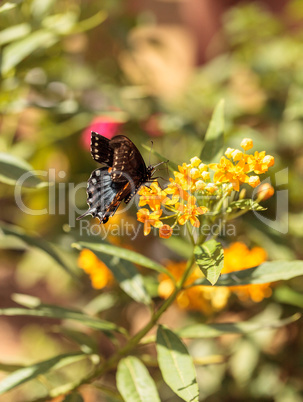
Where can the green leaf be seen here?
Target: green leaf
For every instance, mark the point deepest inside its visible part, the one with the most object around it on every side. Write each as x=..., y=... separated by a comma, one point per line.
x=13, y=33
x=284, y=294
x=267, y=272
x=171, y=165
x=28, y=373
x=56, y=312
x=214, y=138
x=8, y=5
x=124, y=272
x=15, y=52
x=11, y=230
x=245, y=327
x=15, y=171
x=179, y=245
x=210, y=258
x=245, y=204
x=73, y=397
x=134, y=381
x=176, y=365
x=122, y=253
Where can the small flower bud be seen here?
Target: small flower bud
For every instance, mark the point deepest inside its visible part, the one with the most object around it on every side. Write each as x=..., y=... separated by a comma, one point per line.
x=265, y=191
x=194, y=173
x=237, y=155
x=254, y=181
x=229, y=151
x=202, y=167
x=246, y=144
x=195, y=161
x=269, y=160
x=165, y=232
x=205, y=175
x=200, y=185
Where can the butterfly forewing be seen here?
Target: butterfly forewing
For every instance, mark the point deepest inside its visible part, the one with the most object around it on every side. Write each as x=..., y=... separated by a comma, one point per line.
x=101, y=149
x=128, y=164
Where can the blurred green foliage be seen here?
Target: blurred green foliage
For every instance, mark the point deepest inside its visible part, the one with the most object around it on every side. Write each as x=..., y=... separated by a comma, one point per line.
x=63, y=63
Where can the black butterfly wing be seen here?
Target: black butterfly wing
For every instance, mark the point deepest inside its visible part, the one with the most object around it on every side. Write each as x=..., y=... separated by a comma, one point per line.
x=124, y=172
x=101, y=149
x=128, y=164
x=102, y=195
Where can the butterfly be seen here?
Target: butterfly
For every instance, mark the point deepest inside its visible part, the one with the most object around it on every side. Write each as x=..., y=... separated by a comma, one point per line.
x=122, y=173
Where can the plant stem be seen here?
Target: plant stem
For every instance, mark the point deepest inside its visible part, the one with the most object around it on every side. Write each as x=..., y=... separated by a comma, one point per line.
x=112, y=361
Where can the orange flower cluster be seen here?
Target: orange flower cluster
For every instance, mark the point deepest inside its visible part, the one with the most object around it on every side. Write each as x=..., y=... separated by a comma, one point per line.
x=188, y=193
x=213, y=298
x=235, y=168
x=173, y=198
x=100, y=275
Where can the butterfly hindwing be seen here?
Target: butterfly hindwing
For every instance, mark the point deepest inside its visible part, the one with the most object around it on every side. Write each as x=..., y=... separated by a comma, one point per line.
x=101, y=195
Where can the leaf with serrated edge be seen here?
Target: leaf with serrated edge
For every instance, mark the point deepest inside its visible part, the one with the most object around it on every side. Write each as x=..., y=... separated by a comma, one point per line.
x=210, y=259
x=176, y=365
x=134, y=381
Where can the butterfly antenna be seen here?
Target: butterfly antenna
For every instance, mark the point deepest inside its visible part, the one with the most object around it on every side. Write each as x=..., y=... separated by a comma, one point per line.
x=150, y=151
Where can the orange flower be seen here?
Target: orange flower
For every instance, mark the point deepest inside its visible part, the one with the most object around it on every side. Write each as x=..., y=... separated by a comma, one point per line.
x=165, y=231
x=198, y=298
x=213, y=298
x=260, y=162
x=190, y=212
x=149, y=219
x=238, y=257
x=100, y=274
x=153, y=196
x=227, y=172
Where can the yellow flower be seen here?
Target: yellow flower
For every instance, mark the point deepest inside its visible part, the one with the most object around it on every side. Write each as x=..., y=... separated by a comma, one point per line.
x=149, y=219
x=184, y=177
x=247, y=144
x=100, y=275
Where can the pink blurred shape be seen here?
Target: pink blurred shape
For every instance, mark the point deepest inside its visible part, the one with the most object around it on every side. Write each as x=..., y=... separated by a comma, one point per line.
x=104, y=125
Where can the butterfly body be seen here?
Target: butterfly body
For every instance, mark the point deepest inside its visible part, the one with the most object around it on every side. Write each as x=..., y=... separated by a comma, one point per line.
x=122, y=173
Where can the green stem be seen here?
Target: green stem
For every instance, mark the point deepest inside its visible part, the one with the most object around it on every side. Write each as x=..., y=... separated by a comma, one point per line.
x=132, y=343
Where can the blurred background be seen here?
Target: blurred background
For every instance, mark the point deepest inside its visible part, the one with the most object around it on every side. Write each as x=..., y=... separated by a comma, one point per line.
x=151, y=70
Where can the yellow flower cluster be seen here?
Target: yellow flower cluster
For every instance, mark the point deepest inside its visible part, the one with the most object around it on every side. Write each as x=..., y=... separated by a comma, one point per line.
x=234, y=168
x=194, y=181
x=100, y=275
x=214, y=298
